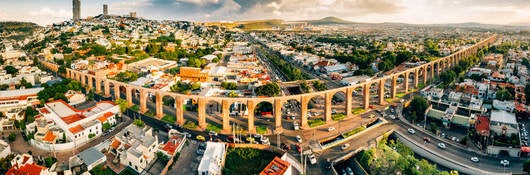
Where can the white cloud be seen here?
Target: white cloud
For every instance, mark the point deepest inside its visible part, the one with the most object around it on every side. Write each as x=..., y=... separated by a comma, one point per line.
x=46, y=12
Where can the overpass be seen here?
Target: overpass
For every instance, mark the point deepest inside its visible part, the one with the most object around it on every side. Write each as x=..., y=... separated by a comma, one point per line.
x=420, y=73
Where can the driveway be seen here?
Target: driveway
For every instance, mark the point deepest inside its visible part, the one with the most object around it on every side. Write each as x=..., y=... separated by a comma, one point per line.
x=188, y=161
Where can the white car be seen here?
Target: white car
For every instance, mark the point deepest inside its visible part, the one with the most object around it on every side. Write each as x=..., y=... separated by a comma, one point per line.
x=312, y=159
x=410, y=130
x=331, y=129
x=349, y=171
x=298, y=138
x=505, y=162
x=441, y=145
x=345, y=146
x=474, y=159
x=213, y=133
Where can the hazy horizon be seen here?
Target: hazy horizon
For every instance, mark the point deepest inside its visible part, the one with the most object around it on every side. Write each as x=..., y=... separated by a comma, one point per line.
x=506, y=12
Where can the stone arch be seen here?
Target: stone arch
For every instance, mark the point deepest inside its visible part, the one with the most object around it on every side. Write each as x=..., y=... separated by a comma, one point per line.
x=357, y=95
x=264, y=117
x=400, y=85
x=316, y=106
x=338, y=103
x=374, y=92
x=214, y=109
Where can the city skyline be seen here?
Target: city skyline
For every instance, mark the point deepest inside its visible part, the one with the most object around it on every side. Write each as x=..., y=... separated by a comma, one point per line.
x=405, y=11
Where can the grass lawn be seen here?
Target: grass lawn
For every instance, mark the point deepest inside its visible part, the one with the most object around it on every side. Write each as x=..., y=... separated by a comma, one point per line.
x=261, y=129
x=169, y=119
x=254, y=160
x=135, y=108
x=213, y=127
x=150, y=113
x=315, y=122
x=358, y=111
x=353, y=132
x=388, y=100
x=338, y=117
x=400, y=95
x=190, y=125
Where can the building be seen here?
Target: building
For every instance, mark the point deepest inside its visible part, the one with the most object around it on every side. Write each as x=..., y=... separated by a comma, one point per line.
x=135, y=146
x=193, y=74
x=5, y=149
x=57, y=119
x=286, y=165
x=86, y=160
x=76, y=10
x=105, y=9
x=174, y=144
x=18, y=99
x=133, y=15
x=24, y=165
x=213, y=160
x=75, y=97
x=503, y=123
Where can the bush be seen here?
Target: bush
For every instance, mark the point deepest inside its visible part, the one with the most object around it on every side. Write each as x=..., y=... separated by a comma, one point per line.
x=213, y=127
x=315, y=122
x=12, y=137
x=261, y=129
x=169, y=119
x=353, y=132
x=138, y=123
x=91, y=135
x=190, y=125
x=338, y=117
x=49, y=161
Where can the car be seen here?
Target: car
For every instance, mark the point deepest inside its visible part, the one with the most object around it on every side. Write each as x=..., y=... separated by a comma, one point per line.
x=345, y=146
x=265, y=141
x=333, y=111
x=505, y=162
x=202, y=145
x=371, y=116
x=295, y=125
x=474, y=159
x=298, y=147
x=200, y=138
x=410, y=130
x=442, y=145
x=200, y=151
x=258, y=136
x=349, y=171
x=292, y=117
x=298, y=138
x=188, y=135
x=343, y=172
x=168, y=127
x=250, y=140
x=312, y=159
x=331, y=129
x=212, y=133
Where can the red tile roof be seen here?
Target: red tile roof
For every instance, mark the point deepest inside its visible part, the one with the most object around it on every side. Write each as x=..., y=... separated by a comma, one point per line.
x=27, y=169
x=482, y=125
x=172, y=145
x=276, y=167
x=105, y=116
x=73, y=118
x=49, y=137
x=115, y=143
x=76, y=129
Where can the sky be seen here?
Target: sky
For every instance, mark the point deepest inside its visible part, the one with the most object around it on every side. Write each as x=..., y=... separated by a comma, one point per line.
x=45, y=12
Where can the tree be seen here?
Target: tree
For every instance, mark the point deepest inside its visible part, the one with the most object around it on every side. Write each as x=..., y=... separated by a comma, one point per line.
x=448, y=77
x=319, y=86
x=123, y=104
x=106, y=126
x=269, y=89
x=419, y=105
x=503, y=95
x=229, y=85
x=49, y=161
x=232, y=94
x=126, y=76
x=138, y=123
x=11, y=70
x=12, y=137
x=526, y=166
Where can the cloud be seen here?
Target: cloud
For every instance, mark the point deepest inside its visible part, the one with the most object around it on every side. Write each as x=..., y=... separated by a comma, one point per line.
x=46, y=12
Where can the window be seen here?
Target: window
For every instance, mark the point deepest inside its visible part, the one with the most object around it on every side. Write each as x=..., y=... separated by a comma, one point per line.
x=130, y=164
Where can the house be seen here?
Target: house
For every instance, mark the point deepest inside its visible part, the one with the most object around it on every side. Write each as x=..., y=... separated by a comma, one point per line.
x=508, y=106
x=24, y=165
x=213, y=160
x=174, y=144
x=286, y=165
x=87, y=160
x=503, y=123
x=5, y=149
x=18, y=99
x=135, y=146
x=75, y=97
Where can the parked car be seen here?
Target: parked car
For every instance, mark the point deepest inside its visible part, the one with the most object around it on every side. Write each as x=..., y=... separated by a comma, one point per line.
x=200, y=151
x=298, y=138
x=349, y=171
x=312, y=159
x=474, y=159
x=295, y=125
x=265, y=141
x=345, y=146
x=188, y=135
x=212, y=133
x=410, y=130
x=200, y=138
x=442, y=145
x=331, y=129
x=258, y=136
x=505, y=162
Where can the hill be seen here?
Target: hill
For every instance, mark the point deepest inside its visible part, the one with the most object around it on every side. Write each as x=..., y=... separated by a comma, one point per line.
x=21, y=29
x=331, y=20
x=259, y=24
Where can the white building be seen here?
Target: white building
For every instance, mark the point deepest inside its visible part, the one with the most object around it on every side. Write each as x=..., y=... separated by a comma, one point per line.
x=18, y=99
x=135, y=146
x=503, y=123
x=508, y=106
x=213, y=160
x=5, y=149
x=75, y=97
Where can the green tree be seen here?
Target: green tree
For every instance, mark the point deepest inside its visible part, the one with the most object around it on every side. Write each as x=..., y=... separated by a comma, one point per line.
x=11, y=70
x=123, y=104
x=526, y=166
x=269, y=89
x=503, y=94
x=232, y=94
x=419, y=105
x=12, y=137
x=49, y=161
x=229, y=85
x=138, y=123
x=448, y=77
x=319, y=86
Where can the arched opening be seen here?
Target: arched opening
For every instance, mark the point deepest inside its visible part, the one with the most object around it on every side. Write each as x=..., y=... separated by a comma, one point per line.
x=374, y=93
x=357, y=101
x=214, y=109
x=316, y=111
x=264, y=117
x=400, y=86
x=338, y=106
x=291, y=114
x=168, y=102
x=238, y=112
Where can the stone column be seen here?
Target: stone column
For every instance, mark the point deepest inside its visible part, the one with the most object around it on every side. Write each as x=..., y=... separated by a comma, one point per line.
x=90, y=83
x=425, y=75
x=250, y=107
x=382, y=91
x=179, y=112
x=159, y=105
x=226, y=116
x=117, y=91
x=432, y=72
x=393, y=89
x=67, y=73
x=201, y=110
x=366, y=96
x=106, y=85
x=327, y=107
x=98, y=86
x=416, y=78
x=278, y=116
x=438, y=64
x=83, y=82
x=128, y=95
x=303, y=112
x=406, y=84
x=143, y=101
x=349, y=101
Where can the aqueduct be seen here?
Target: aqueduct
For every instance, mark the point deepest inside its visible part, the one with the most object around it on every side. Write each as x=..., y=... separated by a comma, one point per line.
x=427, y=71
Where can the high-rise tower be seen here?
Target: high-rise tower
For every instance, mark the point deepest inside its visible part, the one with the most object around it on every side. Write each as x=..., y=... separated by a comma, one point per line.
x=76, y=10
x=105, y=9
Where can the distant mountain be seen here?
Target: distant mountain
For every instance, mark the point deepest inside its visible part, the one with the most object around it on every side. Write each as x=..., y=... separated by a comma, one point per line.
x=17, y=26
x=331, y=20
x=260, y=24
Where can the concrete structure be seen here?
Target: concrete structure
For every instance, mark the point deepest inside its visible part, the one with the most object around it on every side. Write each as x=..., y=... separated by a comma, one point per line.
x=503, y=123
x=213, y=160
x=425, y=71
x=5, y=149
x=105, y=9
x=89, y=158
x=135, y=147
x=76, y=10
x=18, y=99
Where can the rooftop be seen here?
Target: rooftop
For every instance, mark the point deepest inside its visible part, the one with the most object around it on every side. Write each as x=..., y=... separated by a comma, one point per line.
x=213, y=155
x=276, y=167
x=20, y=92
x=502, y=117
x=90, y=156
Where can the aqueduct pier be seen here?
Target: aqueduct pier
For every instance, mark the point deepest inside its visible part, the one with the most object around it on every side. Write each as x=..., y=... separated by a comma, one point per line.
x=418, y=74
